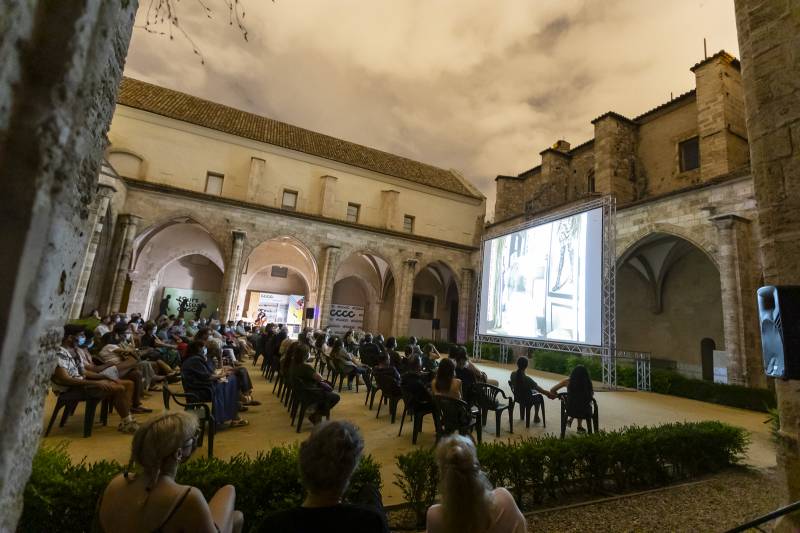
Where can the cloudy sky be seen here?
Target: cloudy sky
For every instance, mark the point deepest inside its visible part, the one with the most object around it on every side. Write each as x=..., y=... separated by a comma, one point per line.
x=478, y=86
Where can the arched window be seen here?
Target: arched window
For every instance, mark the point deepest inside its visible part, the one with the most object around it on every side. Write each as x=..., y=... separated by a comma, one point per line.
x=590, y=182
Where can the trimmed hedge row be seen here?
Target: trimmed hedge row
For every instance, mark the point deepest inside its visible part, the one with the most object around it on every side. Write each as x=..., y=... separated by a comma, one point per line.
x=61, y=496
x=538, y=469
x=663, y=381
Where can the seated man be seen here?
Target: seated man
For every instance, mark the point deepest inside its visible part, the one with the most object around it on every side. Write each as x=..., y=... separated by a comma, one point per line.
x=70, y=377
x=328, y=459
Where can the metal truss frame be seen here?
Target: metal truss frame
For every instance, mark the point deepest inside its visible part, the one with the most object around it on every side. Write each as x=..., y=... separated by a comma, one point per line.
x=607, y=350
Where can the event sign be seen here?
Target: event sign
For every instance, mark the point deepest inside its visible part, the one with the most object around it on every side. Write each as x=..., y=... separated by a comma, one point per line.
x=345, y=317
x=281, y=308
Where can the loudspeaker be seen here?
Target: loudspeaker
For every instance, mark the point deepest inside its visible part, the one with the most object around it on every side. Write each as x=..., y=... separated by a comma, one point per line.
x=309, y=313
x=436, y=324
x=779, y=315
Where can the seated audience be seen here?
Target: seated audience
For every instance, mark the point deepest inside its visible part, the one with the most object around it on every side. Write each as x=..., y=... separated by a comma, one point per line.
x=150, y=499
x=70, y=377
x=445, y=383
x=201, y=379
x=305, y=376
x=348, y=365
x=103, y=327
x=579, y=395
x=151, y=347
x=328, y=459
x=524, y=388
x=430, y=358
x=119, y=351
x=468, y=503
x=384, y=367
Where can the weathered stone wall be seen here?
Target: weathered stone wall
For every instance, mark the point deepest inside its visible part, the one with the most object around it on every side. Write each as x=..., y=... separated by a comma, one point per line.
x=615, y=158
x=581, y=166
x=510, y=198
x=62, y=62
x=769, y=41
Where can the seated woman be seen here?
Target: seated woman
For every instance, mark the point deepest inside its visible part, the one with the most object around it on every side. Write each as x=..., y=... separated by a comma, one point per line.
x=430, y=358
x=153, y=348
x=468, y=503
x=348, y=364
x=305, y=376
x=151, y=500
x=579, y=395
x=201, y=379
x=446, y=383
x=524, y=387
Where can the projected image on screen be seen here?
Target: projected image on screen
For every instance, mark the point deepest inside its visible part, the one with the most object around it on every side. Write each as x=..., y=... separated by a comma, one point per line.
x=545, y=282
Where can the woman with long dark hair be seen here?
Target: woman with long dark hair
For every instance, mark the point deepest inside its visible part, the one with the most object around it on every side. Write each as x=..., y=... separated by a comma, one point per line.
x=446, y=383
x=468, y=502
x=524, y=388
x=579, y=395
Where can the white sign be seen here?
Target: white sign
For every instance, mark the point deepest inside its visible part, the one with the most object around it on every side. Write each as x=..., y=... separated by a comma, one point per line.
x=343, y=318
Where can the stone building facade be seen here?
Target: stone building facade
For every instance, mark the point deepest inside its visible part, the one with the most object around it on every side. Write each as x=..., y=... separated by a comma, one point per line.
x=200, y=196
x=687, y=226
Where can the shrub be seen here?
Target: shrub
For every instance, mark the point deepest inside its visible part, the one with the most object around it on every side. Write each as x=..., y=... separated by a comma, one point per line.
x=61, y=496
x=546, y=467
x=417, y=480
x=663, y=381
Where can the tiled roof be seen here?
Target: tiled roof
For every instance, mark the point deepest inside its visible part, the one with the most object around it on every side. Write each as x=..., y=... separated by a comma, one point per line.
x=194, y=110
x=676, y=100
x=722, y=54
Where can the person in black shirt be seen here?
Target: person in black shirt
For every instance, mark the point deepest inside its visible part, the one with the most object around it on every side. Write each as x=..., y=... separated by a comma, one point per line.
x=328, y=459
x=524, y=388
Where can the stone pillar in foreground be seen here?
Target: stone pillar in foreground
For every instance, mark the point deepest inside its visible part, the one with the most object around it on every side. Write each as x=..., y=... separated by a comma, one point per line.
x=62, y=64
x=464, y=305
x=230, y=278
x=123, y=250
x=404, y=292
x=769, y=42
x=330, y=264
x=96, y=217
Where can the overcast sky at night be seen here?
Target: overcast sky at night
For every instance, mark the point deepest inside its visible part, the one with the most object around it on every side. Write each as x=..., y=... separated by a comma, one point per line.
x=478, y=86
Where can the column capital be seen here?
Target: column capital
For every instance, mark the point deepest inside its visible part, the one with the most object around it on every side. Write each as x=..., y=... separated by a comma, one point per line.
x=727, y=220
x=411, y=262
x=238, y=234
x=105, y=190
x=129, y=218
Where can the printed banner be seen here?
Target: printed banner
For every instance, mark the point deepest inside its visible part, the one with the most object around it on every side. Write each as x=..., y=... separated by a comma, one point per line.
x=192, y=303
x=345, y=317
x=281, y=308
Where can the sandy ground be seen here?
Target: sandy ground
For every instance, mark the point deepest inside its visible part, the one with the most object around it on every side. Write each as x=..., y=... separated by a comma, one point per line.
x=270, y=425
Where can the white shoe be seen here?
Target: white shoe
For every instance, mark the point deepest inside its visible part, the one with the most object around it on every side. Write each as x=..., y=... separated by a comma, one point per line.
x=128, y=426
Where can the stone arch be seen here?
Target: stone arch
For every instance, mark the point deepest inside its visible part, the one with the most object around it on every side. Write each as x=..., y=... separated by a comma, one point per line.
x=282, y=251
x=186, y=272
x=669, y=298
x=151, y=231
x=697, y=238
x=126, y=162
x=429, y=302
x=364, y=278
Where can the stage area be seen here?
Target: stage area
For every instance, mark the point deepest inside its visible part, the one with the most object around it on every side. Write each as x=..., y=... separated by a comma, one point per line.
x=269, y=424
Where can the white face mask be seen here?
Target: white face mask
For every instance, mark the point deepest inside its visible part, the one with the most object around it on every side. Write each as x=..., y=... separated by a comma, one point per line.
x=204, y=351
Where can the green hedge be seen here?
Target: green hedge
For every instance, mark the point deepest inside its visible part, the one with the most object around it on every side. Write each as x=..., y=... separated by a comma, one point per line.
x=662, y=381
x=538, y=469
x=61, y=496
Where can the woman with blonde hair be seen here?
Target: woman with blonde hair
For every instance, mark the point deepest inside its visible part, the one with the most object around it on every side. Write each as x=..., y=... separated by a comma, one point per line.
x=469, y=505
x=150, y=499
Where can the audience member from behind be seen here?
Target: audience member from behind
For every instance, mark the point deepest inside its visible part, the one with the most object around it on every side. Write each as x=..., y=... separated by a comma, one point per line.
x=150, y=499
x=579, y=395
x=446, y=383
x=524, y=387
x=469, y=505
x=328, y=459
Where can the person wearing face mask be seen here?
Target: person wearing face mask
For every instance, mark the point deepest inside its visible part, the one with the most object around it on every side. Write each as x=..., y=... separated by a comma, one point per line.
x=149, y=499
x=118, y=350
x=71, y=378
x=202, y=380
x=154, y=349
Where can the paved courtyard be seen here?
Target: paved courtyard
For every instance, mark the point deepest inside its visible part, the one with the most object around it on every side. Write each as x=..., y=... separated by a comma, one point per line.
x=269, y=425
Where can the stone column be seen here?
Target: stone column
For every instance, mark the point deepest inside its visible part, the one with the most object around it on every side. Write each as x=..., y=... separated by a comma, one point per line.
x=330, y=264
x=96, y=216
x=128, y=225
x=404, y=291
x=62, y=64
x=737, y=291
x=464, y=305
x=768, y=43
x=372, y=315
x=231, y=276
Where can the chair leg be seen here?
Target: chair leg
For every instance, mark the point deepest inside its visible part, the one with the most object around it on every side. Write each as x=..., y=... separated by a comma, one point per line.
x=480, y=432
x=211, y=431
x=58, y=407
x=497, y=419
x=380, y=403
x=88, y=417
x=366, y=398
x=372, y=397
x=68, y=408
x=511, y=419
x=527, y=416
x=403, y=419
x=393, y=409
x=544, y=417
x=417, y=427
x=301, y=415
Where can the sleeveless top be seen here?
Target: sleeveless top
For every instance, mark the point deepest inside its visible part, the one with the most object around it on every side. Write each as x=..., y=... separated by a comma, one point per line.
x=99, y=527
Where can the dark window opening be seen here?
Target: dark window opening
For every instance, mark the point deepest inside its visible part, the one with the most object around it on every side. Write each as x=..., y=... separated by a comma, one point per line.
x=689, y=154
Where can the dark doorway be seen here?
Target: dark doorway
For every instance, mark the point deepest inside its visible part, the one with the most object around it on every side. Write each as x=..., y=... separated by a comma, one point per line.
x=707, y=347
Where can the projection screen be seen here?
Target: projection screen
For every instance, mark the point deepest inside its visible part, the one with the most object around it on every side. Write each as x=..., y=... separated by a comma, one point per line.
x=545, y=282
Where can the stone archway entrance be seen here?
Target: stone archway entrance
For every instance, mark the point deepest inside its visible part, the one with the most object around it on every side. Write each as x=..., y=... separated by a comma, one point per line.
x=668, y=300
x=365, y=282
x=434, y=302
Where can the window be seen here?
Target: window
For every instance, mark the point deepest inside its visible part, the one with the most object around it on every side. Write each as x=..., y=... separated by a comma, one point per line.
x=408, y=224
x=289, y=200
x=690, y=154
x=422, y=306
x=590, y=182
x=353, y=212
x=214, y=183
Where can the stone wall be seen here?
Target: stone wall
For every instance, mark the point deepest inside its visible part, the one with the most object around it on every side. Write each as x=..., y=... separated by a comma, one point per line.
x=62, y=62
